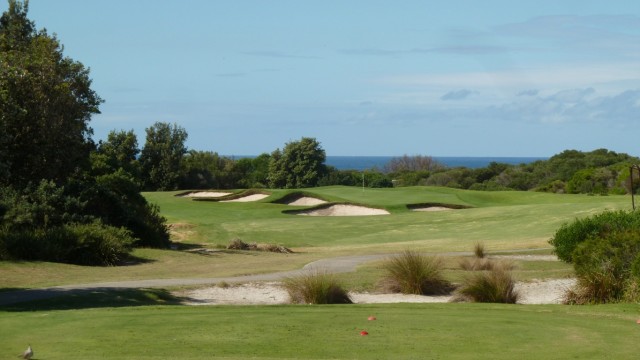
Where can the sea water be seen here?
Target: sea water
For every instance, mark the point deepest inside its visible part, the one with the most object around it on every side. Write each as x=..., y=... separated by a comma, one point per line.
x=378, y=162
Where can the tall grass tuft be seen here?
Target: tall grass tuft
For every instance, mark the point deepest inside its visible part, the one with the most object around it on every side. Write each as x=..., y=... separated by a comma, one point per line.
x=479, y=251
x=493, y=286
x=316, y=288
x=413, y=273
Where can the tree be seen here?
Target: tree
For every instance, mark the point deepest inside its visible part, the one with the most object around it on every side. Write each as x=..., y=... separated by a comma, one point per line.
x=300, y=164
x=413, y=163
x=162, y=155
x=46, y=102
x=119, y=151
x=203, y=170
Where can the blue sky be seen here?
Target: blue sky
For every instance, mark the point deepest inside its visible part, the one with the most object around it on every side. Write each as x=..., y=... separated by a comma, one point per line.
x=454, y=78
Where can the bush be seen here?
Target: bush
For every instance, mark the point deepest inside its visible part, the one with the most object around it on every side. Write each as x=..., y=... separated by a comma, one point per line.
x=605, y=267
x=493, y=286
x=81, y=244
x=316, y=288
x=413, y=273
x=567, y=238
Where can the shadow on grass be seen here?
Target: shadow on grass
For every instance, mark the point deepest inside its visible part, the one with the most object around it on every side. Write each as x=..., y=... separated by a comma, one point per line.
x=61, y=299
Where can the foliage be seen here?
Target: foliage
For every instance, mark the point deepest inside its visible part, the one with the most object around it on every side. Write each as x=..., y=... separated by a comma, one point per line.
x=316, y=288
x=203, y=170
x=567, y=238
x=494, y=286
x=119, y=151
x=82, y=244
x=252, y=172
x=414, y=163
x=413, y=273
x=300, y=164
x=116, y=200
x=604, y=266
x=46, y=104
x=161, y=157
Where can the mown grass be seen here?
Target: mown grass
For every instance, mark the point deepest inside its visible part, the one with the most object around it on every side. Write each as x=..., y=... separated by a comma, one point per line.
x=401, y=331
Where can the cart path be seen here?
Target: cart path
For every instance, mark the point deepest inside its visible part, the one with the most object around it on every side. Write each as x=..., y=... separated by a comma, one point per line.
x=340, y=264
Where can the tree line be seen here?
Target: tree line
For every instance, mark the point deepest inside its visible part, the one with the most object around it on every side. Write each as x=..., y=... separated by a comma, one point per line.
x=302, y=164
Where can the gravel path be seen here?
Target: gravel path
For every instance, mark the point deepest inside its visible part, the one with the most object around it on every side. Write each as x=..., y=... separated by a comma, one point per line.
x=339, y=264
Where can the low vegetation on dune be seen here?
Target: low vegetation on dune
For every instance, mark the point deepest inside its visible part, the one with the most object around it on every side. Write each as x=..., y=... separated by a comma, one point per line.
x=496, y=285
x=316, y=288
x=414, y=273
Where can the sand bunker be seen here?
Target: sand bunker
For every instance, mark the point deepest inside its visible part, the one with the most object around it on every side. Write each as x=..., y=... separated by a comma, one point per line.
x=248, y=198
x=344, y=210
x=207, y=194
x=272, y=293
x=432, y=208
x=306, y=201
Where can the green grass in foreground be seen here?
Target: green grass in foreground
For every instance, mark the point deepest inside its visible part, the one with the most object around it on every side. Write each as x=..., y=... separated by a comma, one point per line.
x=401, y=331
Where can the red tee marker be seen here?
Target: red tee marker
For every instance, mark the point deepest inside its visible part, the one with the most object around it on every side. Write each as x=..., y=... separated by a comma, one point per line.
x=371, y=318
x=364, y=333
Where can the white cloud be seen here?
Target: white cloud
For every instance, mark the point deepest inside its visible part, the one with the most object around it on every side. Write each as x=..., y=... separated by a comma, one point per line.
x=554, y=77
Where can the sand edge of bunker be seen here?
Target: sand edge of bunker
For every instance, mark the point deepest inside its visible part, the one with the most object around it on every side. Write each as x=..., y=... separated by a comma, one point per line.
x=433, y=206
x=339, y=209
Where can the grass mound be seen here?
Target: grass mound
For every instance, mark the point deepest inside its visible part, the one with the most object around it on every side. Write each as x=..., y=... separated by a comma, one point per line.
x=316, y=288
x=413, y=273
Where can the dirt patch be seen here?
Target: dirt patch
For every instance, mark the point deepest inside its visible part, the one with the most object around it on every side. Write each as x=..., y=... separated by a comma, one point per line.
x=181, y=231
x=344, y=210
x=248, y=198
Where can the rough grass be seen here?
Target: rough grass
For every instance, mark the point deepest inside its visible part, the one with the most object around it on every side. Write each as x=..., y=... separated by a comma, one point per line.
x=492, y=286
x=413, y=273
x=316, y=288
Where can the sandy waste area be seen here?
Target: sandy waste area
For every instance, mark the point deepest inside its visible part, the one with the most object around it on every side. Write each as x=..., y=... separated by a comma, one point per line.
x=248, y=198
x=345, y=210
x=272, y=293
x=207, y=194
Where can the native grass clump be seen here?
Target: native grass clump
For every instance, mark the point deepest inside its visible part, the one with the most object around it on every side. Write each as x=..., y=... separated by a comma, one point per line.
x=496, y=285
x=413, y=273
x=316, y=288
x=490, y=281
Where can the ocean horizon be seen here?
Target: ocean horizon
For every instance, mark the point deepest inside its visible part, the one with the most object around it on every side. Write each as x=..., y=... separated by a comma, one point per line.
x=378, y=162
x=361, y=163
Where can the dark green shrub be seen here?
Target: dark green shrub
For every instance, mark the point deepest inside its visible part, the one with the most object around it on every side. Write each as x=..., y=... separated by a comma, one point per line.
x=116, y=200
x=567, y=238
x=81, y=244
x=98, y=244
x=493, y=286
x=605, y=266
x=414, y=273
x=316, y=288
